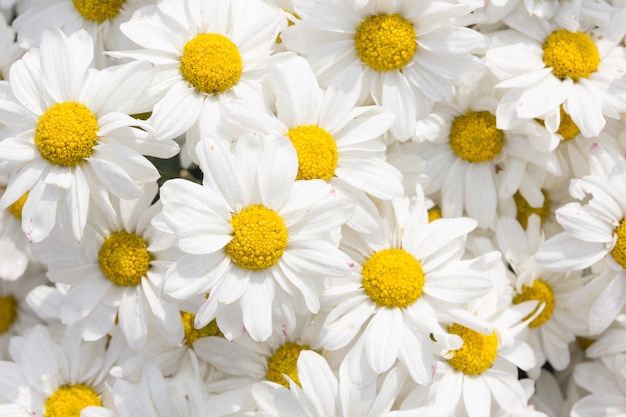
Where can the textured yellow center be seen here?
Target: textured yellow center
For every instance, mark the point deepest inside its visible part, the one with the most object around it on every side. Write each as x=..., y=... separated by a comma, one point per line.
x=259, y=238
x=192, y=334
x=124, y=258
x=525, y=210
x=8, y=312
x=619, y=250
x=570, y=54
x=98, y=10
x=541, y=292
x=393, y=278
x=284, y=361
x=434, y=214
x=317, y=152
x=66, y=134
x=385, y=42
x=69, y=400
x=16, y=208
x=477, y=353
x=211, y=63
x=475, y=137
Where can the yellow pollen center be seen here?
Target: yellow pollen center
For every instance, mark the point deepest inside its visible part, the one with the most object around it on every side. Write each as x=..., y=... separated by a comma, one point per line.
x=124, y=258
x=192, y=334
x=541, y=292
x=525, y=210
x=475, y=137
x=477, y=353
x=316, y=150
x=619, y=250
x=16, y=208
x=211, y=63
x=66, y=134
x=285, y=361
x=434, y=214
x=393, y=278
x=259, y=238
x=385, y=42
x=69, y=400
x=98, y=10
x=570, y=54
x=8, y=312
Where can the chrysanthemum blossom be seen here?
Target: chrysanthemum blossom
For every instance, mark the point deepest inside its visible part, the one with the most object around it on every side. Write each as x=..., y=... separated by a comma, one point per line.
x=594, y=236
x=205, y=54
x=542, y=67
x=408, y=278
x=409, y=51
x=256, y=241
x=114, y=276
x=73, y=141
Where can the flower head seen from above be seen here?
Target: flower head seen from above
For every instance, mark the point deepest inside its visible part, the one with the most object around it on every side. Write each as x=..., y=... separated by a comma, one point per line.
x=397, y=47
x=255, y=233
x=73, y=145
x=207, y=54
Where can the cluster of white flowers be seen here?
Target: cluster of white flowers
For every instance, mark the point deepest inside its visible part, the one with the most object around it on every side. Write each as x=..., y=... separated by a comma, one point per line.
x=312, y=208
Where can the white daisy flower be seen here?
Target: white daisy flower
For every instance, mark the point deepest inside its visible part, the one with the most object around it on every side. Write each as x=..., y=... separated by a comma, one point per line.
x=205, y=54
x=407, y=278
x=481, y=377
x=542, y=67
x=552, y=331
x=115, y=274
x=472, y=162
x=76, y=141
x=49, y=378
x=594, y=236
x=101, y=19
x=320, y=393
x=409, y=51
x=255, y=240
x=334, y=140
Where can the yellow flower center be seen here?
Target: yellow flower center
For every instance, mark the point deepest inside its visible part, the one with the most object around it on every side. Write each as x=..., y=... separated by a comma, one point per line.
x=16, y=208
x=316, y=150
x=285, y=361
x=124, y=258
x=475, y=137
x=619, y=250
x=259, y=238
x=477, y=353
x=66, y=134
x=434, y=214
x=570, y=54
x=541, y=292
x=192, y=334
x=98, y=10
x=8, y=312
x=525, y=210
x=69, y=400
x=385, y=42
x=393, y=278
x=211, y=63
